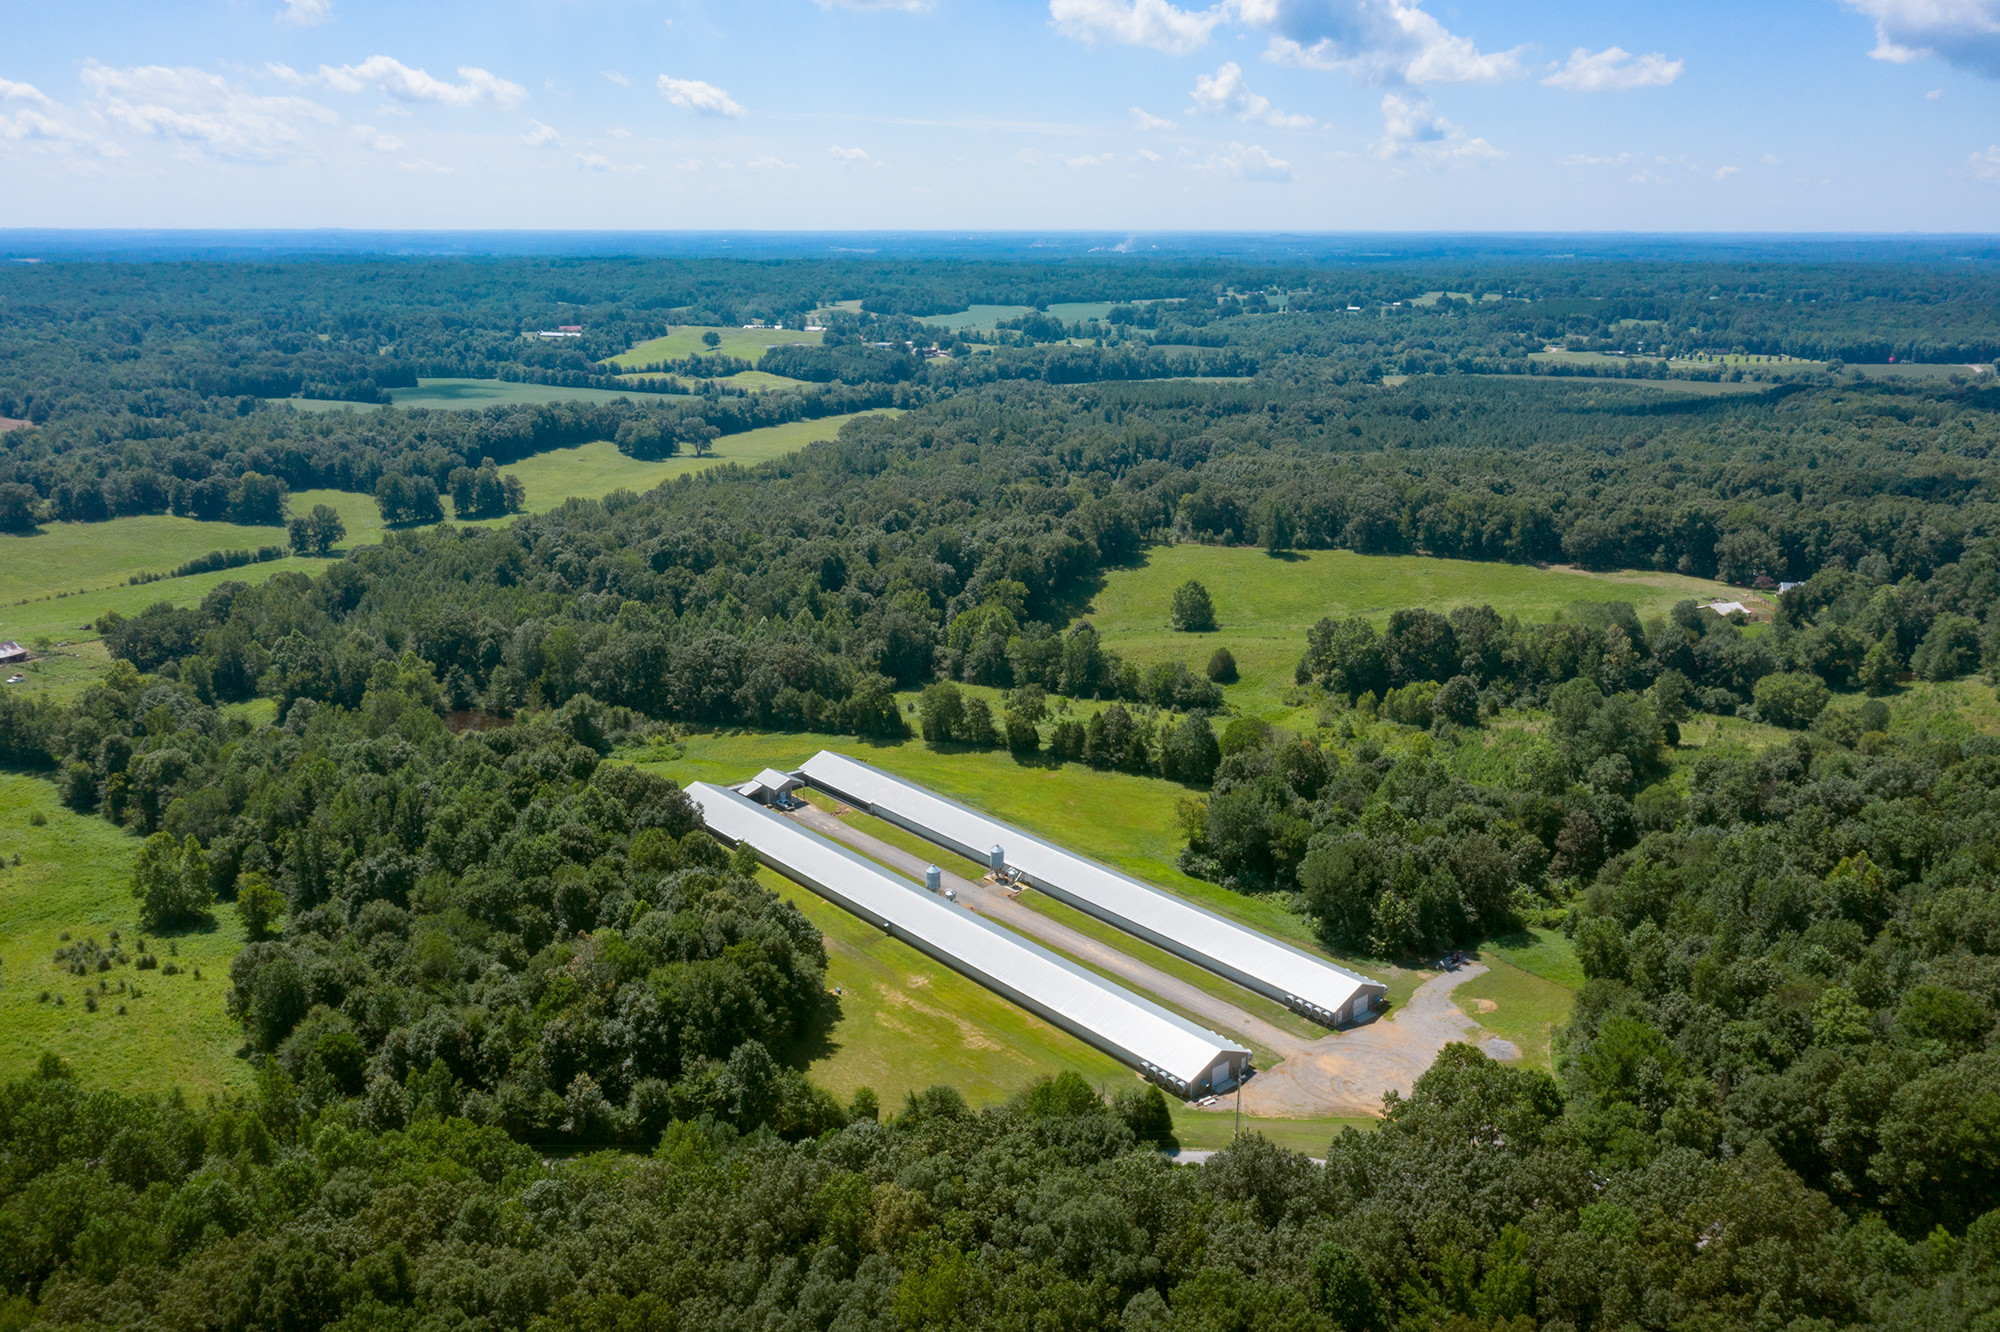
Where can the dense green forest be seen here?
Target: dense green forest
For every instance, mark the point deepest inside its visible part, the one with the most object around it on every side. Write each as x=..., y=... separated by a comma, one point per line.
x=529, y=1042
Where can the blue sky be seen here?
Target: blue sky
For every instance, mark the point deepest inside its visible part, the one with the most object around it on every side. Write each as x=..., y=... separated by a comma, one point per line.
x=1781, y=115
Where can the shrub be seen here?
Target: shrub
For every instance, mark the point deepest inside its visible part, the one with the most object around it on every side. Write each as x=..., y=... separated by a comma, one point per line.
x=1193, y=612
x=1222, y=666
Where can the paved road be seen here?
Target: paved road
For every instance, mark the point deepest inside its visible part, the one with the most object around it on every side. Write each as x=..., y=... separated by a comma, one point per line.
x=992, y=901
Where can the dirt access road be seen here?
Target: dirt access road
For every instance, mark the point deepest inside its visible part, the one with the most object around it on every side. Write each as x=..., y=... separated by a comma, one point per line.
x=1341, y=1073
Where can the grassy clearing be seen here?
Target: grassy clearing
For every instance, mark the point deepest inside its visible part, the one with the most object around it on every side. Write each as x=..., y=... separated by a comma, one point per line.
x=748, y=344
x=1925, y=373
x=1516, y=1005
x=460, y=394
x=75, y=877
x=73, y=557
x=1265, y=606
x=906, y=1022
x=984, y=318
x=1212, y=1130
x=759, y=380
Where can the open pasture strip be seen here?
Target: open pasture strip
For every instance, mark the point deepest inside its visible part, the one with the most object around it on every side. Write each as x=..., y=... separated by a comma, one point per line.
x=747, y=344
x=75, y=880
x=904, y=1022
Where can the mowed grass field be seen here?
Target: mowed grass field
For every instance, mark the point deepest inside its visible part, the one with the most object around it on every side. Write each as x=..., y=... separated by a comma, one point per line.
x=75, y=878
x=1527, y=992
x=748, y=344
x=1264, y=605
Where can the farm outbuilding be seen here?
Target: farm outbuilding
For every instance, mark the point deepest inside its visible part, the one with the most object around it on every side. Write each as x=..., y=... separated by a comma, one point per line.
x=1167, y=1048
x=769, y=787
x=1297, y=979
x=12, y=651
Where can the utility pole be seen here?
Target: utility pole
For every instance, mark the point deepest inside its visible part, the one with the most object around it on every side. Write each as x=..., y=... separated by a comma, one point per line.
x=1239, y=1109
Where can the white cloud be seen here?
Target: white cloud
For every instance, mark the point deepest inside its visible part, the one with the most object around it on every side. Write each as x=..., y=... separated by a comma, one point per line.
x=1621, y=160
x=849, y=154
x=1088, y=160
x=540, y=135
x=1772, y=159
x=599, y=162
x=406, y=84
x=1144, y=120
x=203, y=112
x=905, y=6
x=1028, y=157
x=1411, y=128
x=1249, y=161
x=702, y=98
x=617, y=78
x=380, y=140
x=423, y=166
x=11, y=91
x=1934, y=95
x=1965, y=33
x=1225, y=93
x=1724, y=173
x=1153, y=23
x=769, y=163
x=305, y=13
x=1986, y=165
x=1614, y=69
x=1148, y=155
x=1375, y=40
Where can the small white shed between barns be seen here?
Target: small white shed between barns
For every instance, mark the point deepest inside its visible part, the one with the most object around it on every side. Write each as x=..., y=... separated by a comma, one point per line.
x=768, y=785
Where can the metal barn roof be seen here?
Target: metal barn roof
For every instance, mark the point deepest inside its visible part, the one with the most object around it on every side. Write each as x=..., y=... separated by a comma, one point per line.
x=1254, y=960
x=1162, y=1044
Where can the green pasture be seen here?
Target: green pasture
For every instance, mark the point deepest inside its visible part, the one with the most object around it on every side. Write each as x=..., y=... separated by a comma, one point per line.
x=75, y=878
x=1265, y=605
x=981, y=318
x=461, y=394
x=748, y=344
x=903, y=1022
x=1925, y=373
